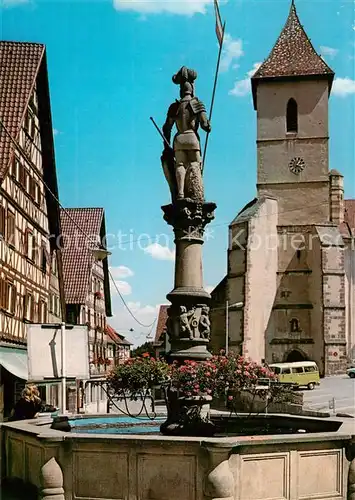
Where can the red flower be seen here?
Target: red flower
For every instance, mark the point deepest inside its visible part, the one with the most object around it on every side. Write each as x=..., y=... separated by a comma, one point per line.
x=146, y=355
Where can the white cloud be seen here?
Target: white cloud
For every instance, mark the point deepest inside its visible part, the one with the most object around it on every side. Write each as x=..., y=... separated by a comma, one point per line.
x=121, y=272
x=181, y=7
x=343, y=87
x=209, y=288
x=328, y=51
x=123, y=322
x=123, y=286
x=56, y=131
x=232, y=51
x=243, y=87
x=160, y=252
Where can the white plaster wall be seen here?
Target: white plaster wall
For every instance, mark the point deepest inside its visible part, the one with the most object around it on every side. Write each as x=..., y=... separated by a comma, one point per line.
x=261, y=278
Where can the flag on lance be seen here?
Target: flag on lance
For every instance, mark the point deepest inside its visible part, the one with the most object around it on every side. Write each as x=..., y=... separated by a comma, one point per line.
x=219, y=24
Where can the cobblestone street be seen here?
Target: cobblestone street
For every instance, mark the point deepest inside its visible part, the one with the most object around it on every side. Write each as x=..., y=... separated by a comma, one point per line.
x=338, y=391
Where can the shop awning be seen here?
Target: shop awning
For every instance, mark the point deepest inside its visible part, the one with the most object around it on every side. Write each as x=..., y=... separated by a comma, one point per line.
x=14, y=361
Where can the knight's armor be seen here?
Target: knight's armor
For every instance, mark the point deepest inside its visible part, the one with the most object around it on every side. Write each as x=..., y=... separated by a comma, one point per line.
x=187, y=114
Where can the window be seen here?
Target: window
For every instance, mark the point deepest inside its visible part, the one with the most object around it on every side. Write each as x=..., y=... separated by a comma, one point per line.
x=2, y=220
x=309, y=369
x=276, y=370
x=35, y=191
x=295, y=325
x=286, y=370
x=31, y=245
x=24, y=177
x=14, y=169
x=29, y=124
x=32, y=188
x=10, y=230
x=42, y=311
x=292, y=116
x=10, y=297
x=43, y=259
x=29, y=307
x=297, y=369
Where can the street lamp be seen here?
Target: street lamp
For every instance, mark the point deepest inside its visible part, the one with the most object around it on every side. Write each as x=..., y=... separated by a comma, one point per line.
x=235, y=306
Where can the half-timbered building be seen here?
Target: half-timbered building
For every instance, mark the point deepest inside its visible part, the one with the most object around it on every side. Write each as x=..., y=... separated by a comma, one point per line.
x=87, y=292
x=31, y=288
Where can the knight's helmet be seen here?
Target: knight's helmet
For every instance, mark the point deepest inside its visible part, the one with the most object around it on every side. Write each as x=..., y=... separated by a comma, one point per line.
x=185, y=77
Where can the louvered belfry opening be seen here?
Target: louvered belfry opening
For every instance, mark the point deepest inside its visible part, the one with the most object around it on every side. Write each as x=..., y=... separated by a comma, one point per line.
x=292, y=116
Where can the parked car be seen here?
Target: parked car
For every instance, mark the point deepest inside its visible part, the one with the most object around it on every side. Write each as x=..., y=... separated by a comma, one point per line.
x=351, y=372
x=299, y=373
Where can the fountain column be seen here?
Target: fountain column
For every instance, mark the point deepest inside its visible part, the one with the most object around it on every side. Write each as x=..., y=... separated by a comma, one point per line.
x=188, y=323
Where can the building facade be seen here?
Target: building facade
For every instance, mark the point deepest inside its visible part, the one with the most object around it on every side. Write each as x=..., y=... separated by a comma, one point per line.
x=289, y=266
x=30, y=262
x=87, y=293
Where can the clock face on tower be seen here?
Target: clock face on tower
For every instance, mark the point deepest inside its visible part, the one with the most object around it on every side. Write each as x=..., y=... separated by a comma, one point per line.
x=297, y=165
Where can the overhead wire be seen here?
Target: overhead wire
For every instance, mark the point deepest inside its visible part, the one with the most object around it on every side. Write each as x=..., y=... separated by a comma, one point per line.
x=20, y=149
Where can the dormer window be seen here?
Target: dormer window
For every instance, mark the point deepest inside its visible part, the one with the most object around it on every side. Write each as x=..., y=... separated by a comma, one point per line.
x=292, y=116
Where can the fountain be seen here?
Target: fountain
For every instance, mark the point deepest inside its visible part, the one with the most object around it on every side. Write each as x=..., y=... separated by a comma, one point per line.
x=188, y=456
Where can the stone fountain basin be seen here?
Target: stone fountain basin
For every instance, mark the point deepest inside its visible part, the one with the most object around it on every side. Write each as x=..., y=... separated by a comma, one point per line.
x=109, y=466
x=236, y=425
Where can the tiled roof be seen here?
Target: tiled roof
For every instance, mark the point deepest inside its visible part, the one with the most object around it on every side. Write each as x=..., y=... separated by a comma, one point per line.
x=161, y=324
x=19, y=66
x=293, y=55
x=349, y=216
x=116, y=337
x=77, y=250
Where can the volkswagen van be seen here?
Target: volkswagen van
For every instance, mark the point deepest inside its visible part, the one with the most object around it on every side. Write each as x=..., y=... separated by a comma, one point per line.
x=300, y=373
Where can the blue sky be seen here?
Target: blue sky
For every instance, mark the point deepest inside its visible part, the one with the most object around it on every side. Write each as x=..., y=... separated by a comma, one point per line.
x=110, y=67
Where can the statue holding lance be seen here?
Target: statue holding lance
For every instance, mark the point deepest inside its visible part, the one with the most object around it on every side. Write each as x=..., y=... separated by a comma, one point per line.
x=182, y=163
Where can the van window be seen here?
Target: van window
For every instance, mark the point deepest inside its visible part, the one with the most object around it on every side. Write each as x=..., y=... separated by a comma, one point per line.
x=286, y=370
x=309, y=369
x=297, y=369
x=276, y=370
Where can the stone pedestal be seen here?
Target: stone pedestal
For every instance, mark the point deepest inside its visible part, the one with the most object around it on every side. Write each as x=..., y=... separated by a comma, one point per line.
x=188, y=324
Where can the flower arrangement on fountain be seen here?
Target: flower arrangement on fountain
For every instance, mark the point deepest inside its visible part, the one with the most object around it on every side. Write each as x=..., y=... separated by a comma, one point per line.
x=137, y=376
x=217, y=377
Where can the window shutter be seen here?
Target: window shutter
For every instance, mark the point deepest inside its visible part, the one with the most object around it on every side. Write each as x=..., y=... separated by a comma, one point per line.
x=13, y=299
x=2, y=220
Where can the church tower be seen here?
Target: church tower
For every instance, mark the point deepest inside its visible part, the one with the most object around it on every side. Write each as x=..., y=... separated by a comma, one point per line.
x=290, y=93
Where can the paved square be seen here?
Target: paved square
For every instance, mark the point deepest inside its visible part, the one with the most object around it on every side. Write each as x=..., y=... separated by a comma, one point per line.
x=341, y=388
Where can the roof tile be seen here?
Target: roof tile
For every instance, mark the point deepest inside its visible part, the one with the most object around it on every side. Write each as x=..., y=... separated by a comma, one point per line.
x=77, y=250
x=161, y=324
x=19, y=65
x=293, y=54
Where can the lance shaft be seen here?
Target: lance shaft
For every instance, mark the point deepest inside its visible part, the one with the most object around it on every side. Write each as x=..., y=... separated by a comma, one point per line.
x=160, y=132
x=214, y=93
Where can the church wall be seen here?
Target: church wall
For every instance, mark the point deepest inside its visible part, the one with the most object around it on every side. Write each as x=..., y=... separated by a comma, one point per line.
x=260, y=283
x=316, y=298
x=334, y=309
x=290, y=324
x=349, y=264
x=300, y=202
x=277, y=149
x=237, y=261
x=312, y=101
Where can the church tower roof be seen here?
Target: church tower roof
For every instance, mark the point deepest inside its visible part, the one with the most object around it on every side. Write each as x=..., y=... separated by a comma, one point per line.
x=293, y=56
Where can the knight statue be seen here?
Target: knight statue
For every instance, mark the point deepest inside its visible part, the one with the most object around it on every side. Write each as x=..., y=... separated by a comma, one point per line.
x=182, y=163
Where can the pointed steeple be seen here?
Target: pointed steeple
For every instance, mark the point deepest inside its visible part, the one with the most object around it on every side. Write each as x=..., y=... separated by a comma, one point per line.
x=293, y=56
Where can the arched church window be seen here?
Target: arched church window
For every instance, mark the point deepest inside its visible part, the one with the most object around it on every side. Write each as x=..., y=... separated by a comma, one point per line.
x=295, y=325
x=292, y=116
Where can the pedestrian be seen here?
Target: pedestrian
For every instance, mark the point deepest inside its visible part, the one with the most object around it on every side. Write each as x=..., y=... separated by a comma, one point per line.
x=28, y=406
